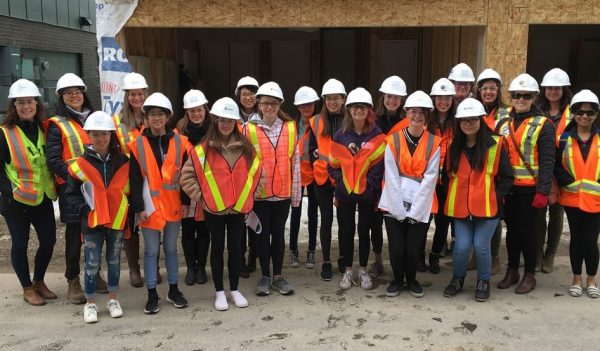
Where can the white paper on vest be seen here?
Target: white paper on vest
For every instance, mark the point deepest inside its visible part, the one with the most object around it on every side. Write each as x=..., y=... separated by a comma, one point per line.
x=87, y=190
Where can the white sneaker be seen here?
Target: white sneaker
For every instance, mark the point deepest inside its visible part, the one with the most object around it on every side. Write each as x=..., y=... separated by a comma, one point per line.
x=238, y=299
x=365, y=280
x=114, y=308
x=346, y=282
x=90, y=313
x=221, y=301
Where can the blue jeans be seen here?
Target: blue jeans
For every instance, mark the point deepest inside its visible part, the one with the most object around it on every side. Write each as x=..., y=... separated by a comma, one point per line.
x=92, y=249
x=477, y=234
x=152, y=245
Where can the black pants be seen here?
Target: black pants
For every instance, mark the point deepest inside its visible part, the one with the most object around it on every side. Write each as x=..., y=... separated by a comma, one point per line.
x=404, y=241
x=271, y=241
x=195, y=240
x=584, y=227
x=312, y=220
x=520, y=230
x=19, y=225
x=377, y=232
x=347, y=212
x=442, y=222
x=235, y=229
x=247, y=243
x=72, y=249
x=324, y=195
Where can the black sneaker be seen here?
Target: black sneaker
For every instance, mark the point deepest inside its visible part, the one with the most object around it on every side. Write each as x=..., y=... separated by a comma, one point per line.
x=176, y=297
x=326, y=273
x=482, y=293
x=244, y=269
x=434, y=263
x=415, y=289
x=421, y=266
x=341, y=265
x=454, y=287
x=201, y=276
x=190, y=276
x=393, y=288
x=152, y=303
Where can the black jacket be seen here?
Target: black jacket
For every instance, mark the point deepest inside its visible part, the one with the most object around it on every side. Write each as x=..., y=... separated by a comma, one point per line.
x=72, y=192
x=195, y=134
x=385, y=122
x=336, y=124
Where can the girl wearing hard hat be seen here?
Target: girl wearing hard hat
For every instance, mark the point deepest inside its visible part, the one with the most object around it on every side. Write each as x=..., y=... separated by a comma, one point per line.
x=274, y=137
x=554, y=101
x=355, y=163
x=390, y=118
x=322, y=127
x=462, y=77
x=155, y=167
x=441, y=124
x=65, y=142
x=478, y=173
x=103, y=171
x=305, y=100
x=27, y=188
x=576, y=172
x=222, y=174
x=412, y=162
x=195, y=237
x=129, y=124
x=531, y=145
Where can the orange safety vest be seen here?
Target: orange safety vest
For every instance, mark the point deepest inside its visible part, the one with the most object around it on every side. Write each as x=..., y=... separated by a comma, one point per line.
x=495, y=115
x=306, y=169
x=276, y=160
x=224, y=187
x=163, y=183
x=355, y=167
x=446, y=138
x=323, y=146
x=414, y=166
x=403, y=123
x=110, y=203
x=473, y=193
x=74, y=139
x=584, y=192
x=124, y=134
x=562, y=123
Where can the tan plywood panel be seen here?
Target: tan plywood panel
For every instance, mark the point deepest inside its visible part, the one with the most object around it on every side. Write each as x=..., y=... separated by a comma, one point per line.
x=498, y=12
x=141, y=15
x=194, y=13
x=470, y=12
x=286, y=13
x=354, y=12
x=438, y=13
x=554, y=11
x=323, y=13
x=164, y=13
x=516, y=41
x=496, y=37
x=408, y=13
x=519, y=14
x=224, y=13
x=255, y=13
x=376, y=12
x=515, y=65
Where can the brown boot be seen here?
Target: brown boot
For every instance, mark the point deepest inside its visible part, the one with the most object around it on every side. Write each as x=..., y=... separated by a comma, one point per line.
x=43, y=291
x=496, y=266
x=527, y=283
x=511, y=278
x=75, y=293
x=548, y=263
x=32, y=297
x=135, y=278
x=472, y=263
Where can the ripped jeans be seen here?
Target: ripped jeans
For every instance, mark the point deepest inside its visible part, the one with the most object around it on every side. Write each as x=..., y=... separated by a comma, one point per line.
x=92, y=249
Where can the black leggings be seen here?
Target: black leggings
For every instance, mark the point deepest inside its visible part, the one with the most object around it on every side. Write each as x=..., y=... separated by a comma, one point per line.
x=347, y=212
x=584, y=227
x=324, y=195
x=377, y=232
x=404, y=241
x=312, y=220
x=72, y=249
x=195, y=241
x=441, y=222
x=271, y=241
x=520, y=230
x=235, y=229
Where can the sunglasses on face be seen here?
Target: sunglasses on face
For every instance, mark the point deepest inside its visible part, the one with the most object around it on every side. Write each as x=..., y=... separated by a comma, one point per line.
x=469, y=121
x=589, y=113
x=517, y=96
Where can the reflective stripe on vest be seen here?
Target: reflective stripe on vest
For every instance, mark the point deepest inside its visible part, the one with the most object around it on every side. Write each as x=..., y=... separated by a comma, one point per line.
x=305, y=166
x=424, y=154
x=584, y=192
x=74, y=139
x=403, y=123
x=124, y=135
x=323, y=145
x=562, y=123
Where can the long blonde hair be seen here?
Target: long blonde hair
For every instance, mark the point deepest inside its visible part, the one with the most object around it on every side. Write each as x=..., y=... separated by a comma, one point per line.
x=127, y=116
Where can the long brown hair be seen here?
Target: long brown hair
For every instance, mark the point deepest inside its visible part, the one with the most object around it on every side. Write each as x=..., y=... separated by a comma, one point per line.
x=183, y=122
x=499, y=103
x=348, y=123
x=213, y=139
x=12, y=117
x=460, y=141
x=127, y=116
x=381, y=110
x=325, y=118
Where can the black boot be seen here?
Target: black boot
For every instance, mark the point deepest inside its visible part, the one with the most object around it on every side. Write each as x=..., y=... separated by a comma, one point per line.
x=421, y=266
x=434, y=263
x=190, y=276
x=482, y=293
x=454, y=287
x=201, y=275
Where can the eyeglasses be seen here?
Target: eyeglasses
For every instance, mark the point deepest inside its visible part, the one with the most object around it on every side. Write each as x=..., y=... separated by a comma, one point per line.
x=359, y=106
x=470, y=121
x=269, y=104
x=73, y=92
x=462, y=84
x=490, y=89
x=247, y=95
x=589, y=113
x=517, y=96
x=156, y=115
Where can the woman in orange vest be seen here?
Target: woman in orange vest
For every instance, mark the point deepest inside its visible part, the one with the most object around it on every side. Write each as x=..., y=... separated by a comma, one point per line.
x=103, y=172
x=531, y=145
x=576, y=170
x=195, y=238
x=441, y=124
x=305, y=100
x=222, y=174
x=155, y=169
x=478, y=175
x=322, y=127
x=412, y=163
x=355, y=163
x=27, y=189
x=554, y=101
x=275, y=140
x=65, y=142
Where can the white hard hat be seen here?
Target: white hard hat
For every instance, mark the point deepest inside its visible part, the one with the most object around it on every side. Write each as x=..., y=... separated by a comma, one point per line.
x=69, y=80
x=442, y=87
x=245, y=81
x=226, y=108
x=23, y=88
x=157, y=100
x=556, y=77
x=585, y=96
x=489, y=73
x=524, y=82
x=270, y=89
x=470, y=107
x=194, y=98
x=305, y=95
x=461, y=73
x=393, y=85
x=333, y=86
x=134, y=81
x=359, y=96
x=99, y=120
x=418, y=99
